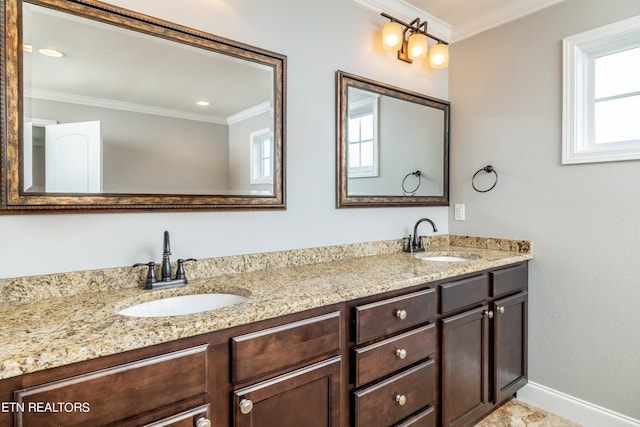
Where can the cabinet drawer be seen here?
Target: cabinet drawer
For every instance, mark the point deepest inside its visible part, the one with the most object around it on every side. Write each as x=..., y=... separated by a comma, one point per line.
x=274, y=349
x=426, y=418
x=138, y=389
x=509, y=280
x=391, y=315
x=384, y=357
x=463, y=293
x=396, y=398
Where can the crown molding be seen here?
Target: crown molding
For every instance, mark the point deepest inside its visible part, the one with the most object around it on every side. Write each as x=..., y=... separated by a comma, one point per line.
x=498, y=17
x=408, y=12
x=119, y=105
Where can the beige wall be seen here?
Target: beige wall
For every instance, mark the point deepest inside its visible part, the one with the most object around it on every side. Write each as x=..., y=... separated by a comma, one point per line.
x=584, y=220
x=145, y=153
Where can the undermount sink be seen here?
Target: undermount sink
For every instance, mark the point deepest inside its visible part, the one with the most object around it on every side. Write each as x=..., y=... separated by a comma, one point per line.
x=448, y=258
x=185, y=304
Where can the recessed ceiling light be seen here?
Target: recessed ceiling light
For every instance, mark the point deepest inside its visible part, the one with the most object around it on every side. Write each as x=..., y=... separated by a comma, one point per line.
x=27, y=48
x=51, y=52
x=203, y=103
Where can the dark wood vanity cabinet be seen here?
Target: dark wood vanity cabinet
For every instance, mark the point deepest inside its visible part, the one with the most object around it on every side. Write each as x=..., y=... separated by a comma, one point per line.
x=289, y=375
x=439, y=354
x=483, y=343
x=393, y=361
x=167, y=389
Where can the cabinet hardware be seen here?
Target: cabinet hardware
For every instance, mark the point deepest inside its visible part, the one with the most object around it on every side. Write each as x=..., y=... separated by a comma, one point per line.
x=401, y=399
x=401, y=314
x=500, y=309
x=246, y=406
x=488, y=313
x=401, y=353
x=203, y=422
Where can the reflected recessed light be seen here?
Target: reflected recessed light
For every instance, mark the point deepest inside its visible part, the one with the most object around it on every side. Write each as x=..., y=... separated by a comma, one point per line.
x=27, y=48
x=51, y=52
x=203, y=103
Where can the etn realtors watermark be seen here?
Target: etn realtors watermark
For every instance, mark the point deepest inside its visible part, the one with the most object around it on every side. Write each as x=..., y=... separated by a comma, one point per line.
x=45, y=407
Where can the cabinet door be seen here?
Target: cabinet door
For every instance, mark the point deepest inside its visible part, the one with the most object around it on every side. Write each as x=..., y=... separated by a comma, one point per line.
x=309, y=397
x=143, y=391
x=510, y=351
x=465, y=364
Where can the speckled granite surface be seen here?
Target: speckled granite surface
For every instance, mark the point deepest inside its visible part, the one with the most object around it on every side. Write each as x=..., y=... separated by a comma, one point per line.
x=49, y=321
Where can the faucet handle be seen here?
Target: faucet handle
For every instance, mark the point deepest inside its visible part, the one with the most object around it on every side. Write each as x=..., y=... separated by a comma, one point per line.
x=151, y=273
x=180, y=273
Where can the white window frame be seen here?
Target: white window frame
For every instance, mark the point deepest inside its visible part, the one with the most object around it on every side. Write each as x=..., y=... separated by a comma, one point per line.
x=355, y=108
x=255, y=168
x=579, y=53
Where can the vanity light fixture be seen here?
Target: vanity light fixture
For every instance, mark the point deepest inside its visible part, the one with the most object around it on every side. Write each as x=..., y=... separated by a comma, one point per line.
x=27, y=48
x=51, y=52
x=413, y=47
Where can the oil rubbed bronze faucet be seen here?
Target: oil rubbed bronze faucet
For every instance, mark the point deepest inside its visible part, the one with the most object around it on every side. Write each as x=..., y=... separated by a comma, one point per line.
x=165, y=272
x=414, y=243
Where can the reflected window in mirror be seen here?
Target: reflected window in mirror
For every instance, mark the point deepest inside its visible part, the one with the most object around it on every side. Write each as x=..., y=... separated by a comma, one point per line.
x=363, y=134
x=261, y=157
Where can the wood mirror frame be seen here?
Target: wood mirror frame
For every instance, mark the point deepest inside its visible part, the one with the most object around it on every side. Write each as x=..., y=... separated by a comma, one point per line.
x=345, y=199
x=13, y=200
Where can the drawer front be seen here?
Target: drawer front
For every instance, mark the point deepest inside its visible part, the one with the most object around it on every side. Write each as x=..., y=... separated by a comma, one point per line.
x=270, y=350
x=426, y=418
x=463, y=293
x=396, y=398
x=391, y=315
x=107, y=396
x=510, y=280
x=384, y=357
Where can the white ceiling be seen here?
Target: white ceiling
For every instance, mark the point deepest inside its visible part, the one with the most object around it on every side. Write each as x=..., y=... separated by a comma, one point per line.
x=469, y=17
x=110, y=67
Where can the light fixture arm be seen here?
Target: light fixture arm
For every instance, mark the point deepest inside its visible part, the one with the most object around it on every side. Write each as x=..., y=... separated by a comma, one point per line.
x=415, y=27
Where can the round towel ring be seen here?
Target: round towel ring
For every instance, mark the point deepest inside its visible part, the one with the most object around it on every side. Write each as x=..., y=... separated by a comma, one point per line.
x=412, y=192
x=487, y=169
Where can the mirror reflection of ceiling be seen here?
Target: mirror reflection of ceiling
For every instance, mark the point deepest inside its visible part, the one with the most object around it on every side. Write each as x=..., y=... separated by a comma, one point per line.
x=154, y=67
x=472, y=17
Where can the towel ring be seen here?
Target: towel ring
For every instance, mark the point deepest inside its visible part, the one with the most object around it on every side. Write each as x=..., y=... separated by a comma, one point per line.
x=412, y=192
x=487, y=169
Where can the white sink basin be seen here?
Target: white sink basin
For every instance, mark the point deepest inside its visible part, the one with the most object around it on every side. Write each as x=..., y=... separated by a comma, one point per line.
x=448, y=258
x=185, y=304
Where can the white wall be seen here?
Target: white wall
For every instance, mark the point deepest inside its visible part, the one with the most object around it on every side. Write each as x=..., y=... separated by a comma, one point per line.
x=584, y=220
x=319, y=37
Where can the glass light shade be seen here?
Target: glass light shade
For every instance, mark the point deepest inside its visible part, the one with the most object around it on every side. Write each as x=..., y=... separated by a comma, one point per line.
x=392, y=36
x=439, y=56
x=418, y=46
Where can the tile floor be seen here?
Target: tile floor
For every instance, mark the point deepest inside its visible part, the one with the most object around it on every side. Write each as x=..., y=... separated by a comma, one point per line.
x=519, y=414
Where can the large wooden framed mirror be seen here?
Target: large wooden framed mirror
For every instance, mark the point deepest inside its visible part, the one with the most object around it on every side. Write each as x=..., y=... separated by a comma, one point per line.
x=392, y=145
x=105, y=109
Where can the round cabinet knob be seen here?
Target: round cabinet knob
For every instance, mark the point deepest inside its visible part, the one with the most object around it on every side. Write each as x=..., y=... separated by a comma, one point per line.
x=246, y=406
x=401, y=399
x=401, y=314
x=203, y=422
x=401, y=353
x=489, y=314
x=501, y=309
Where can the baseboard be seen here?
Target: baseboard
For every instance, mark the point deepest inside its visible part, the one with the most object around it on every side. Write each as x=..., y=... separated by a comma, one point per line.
x=571, y=408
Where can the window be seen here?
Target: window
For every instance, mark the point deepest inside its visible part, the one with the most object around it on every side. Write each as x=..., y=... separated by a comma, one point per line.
x=261, y=157
x=602, y=94
x=363, y=136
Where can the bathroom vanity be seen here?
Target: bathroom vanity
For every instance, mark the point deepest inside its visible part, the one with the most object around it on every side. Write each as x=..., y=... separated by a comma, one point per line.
x=383, y=340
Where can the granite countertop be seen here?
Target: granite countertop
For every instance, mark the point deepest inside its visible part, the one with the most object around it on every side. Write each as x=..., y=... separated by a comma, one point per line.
x=59, y=330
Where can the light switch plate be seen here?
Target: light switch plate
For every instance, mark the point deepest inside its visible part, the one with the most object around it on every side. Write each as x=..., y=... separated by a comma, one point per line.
x=458, y=212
